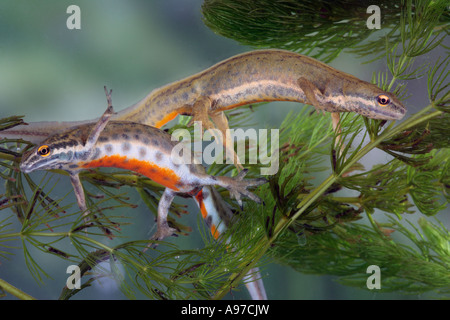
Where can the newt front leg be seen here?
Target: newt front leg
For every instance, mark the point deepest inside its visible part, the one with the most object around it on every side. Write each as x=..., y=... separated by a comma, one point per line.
x=90, y=142
x=163, y=229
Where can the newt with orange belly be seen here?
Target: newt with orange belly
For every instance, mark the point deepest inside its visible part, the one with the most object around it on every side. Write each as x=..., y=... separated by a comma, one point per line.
x=148, y=151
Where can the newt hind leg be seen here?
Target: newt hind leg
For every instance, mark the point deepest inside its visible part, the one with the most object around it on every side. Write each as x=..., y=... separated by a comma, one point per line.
x=212, y=121
x=200, y=113
x=237, y=186
x=221, y=122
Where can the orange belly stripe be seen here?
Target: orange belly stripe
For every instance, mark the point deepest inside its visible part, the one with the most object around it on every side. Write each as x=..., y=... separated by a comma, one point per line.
x=164, y=176
x=214, y=231
x=166, y=119
x=199, y=197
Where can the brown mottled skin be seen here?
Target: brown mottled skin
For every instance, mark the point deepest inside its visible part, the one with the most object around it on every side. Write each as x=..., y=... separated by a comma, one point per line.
x=255, y=76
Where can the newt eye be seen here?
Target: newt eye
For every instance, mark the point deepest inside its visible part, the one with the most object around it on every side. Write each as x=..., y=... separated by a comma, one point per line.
x=383, y=100
x=44, y=150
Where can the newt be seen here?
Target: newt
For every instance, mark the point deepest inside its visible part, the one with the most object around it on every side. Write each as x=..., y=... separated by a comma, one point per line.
x=251, y=77
x=146, y=150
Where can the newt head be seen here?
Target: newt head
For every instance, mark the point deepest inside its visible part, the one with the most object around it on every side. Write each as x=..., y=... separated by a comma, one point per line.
x=55, y=152
x=372, y=102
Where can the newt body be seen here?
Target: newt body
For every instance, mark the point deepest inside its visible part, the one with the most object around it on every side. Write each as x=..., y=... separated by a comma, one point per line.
x=255, y=76
x=148, y=151
x=139, y=148
x=265, y=75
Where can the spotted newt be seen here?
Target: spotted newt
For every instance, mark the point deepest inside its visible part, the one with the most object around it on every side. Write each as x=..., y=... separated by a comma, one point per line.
x=148, y=151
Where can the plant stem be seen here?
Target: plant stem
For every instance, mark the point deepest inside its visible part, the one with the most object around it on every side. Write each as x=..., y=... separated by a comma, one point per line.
x=141, y=267
x=422, y=116
x=57, y=234
x=15, y=291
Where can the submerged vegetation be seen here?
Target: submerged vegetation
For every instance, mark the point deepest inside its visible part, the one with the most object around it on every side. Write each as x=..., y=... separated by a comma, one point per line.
x=311, y=220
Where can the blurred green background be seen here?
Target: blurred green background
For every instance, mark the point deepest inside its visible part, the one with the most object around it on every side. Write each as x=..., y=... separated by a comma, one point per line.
x=50, y=73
